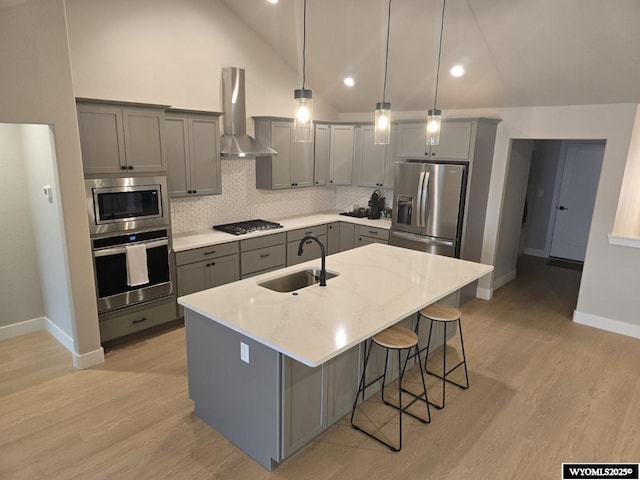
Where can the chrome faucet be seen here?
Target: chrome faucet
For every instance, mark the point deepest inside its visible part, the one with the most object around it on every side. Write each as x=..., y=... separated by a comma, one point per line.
x=323, y=271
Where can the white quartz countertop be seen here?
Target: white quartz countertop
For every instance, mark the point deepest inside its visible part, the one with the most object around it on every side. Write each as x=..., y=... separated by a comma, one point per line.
x=378, y=286
x=203, y=238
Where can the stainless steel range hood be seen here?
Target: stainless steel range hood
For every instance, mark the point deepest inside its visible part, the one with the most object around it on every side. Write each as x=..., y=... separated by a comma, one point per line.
x=235, y=143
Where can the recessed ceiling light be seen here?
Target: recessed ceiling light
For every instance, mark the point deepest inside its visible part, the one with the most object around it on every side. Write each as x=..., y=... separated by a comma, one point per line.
x=349, y=81
x=272, y=1
x=457, y=70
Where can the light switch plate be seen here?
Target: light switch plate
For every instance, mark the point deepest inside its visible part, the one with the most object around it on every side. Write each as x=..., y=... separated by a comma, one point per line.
x=244, y=352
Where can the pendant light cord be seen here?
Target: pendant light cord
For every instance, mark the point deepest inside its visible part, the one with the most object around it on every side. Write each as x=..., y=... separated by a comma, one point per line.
x=304, y=42
x=435, y=98
x=386, y=58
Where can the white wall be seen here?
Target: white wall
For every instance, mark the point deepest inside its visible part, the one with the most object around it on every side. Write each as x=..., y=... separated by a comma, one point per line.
x=40, y=167
x=172, y=52
x=20, y=294
x=36, y=88
x=511, y=223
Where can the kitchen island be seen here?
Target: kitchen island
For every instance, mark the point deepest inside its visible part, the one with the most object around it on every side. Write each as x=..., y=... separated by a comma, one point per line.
x=271, y=370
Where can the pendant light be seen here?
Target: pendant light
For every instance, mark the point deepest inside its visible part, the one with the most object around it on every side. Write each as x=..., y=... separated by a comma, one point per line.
x=382, y=132
x=434, y=116
x=303, y=115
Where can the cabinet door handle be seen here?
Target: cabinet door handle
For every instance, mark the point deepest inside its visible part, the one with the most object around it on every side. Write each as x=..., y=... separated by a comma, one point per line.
x=130, y=167
x=330, y=181
x=265, y=255
x=123, y=167
x=140, y=320
x=373, y=232
x=309, y=232
x=211, y=252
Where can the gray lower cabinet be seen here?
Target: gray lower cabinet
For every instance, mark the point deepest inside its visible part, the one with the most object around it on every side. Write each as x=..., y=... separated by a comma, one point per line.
x=303, y=398
x=193, y=153
x=117, y=137
x=311, y=250
x=343, y=375
x=120, y=324
x=206, y=267
x=333, y=238
x=366, y=235
x=347, y=236
x=262, y=254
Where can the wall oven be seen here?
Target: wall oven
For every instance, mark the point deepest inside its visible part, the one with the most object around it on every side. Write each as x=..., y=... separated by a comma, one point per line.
x=112, y=266
x=130, y=240
x=123, y=204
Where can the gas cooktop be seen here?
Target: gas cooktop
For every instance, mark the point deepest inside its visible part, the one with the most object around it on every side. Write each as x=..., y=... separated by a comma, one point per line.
x=240, y=228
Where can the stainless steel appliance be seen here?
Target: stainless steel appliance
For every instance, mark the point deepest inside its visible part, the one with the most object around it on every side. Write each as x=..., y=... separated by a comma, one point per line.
x=248, y=226
x=429, y=206
x=130, y=233
x=124, y=204
x=113, y=287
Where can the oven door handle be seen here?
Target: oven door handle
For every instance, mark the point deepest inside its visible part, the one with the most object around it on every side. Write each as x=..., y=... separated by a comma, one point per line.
x=118, y=250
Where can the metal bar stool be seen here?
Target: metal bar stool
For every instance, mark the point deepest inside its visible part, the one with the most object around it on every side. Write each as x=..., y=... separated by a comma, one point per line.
x=393, y=338
x=446, y=314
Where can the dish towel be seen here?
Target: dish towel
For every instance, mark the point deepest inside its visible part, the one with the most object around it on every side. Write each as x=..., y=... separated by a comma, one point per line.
x=137, y=272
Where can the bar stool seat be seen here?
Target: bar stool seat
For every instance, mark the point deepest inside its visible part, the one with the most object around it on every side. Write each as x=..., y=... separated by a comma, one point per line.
x=399, y=339
x=446, y=314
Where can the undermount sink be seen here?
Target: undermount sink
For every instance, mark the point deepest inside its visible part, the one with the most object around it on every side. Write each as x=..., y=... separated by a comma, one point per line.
x=296, y=280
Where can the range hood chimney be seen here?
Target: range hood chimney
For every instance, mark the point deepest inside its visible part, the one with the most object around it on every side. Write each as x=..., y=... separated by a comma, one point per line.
x=235, y=143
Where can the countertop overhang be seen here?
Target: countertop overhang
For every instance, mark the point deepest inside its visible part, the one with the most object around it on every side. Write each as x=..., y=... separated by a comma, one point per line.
x=378, y=286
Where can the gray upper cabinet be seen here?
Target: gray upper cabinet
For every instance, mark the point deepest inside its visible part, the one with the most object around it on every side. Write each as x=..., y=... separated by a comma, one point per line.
x=376, y=162
x=455, y=140
x=322, y=145
x=193, y=153
x=118, y=137
x=341, y=154
x=292, y=167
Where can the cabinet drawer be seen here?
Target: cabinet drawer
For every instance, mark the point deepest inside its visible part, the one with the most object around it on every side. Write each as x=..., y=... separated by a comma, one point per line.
x=206, y=253
x=142, y=319
x=311, y=251
x=316, y=230
x=261, y=242
x=262, y=259
x=379, y=233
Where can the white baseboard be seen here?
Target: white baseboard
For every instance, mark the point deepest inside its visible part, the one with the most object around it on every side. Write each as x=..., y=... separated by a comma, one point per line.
x=536, y=252
x=87, y=360
x=22, y=328
x=80, y=361
x=59, y=335
x=484, y=293
x=607, y=324
x=504, y=279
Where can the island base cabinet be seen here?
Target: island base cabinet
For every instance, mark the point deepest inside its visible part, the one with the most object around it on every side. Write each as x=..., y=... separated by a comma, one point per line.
x=239, y=400
x=343, y=375
x=303, y=393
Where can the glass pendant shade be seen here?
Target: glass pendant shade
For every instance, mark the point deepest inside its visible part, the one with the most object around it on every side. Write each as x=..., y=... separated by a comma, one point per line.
x=303, y=116
x=382, y=132
x=434, y=121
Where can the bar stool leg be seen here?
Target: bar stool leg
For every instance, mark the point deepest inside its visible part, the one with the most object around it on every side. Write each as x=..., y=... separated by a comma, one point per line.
x=464, y=359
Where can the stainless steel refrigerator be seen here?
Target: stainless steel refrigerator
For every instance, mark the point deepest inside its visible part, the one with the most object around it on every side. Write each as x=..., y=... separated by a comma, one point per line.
x=429, y=206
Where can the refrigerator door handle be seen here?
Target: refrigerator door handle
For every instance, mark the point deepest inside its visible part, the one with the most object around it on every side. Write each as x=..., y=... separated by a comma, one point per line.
x=422, y=239
x=419, y=198
x=423, y=203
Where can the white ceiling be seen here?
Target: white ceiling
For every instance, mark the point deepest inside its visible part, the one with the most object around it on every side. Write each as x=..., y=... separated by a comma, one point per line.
x=516, y=52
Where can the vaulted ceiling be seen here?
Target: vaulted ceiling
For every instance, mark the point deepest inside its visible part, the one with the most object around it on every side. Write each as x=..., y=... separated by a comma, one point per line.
x=516, y=52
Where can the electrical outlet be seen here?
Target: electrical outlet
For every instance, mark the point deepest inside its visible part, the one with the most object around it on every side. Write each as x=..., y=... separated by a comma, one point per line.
x=244, y=352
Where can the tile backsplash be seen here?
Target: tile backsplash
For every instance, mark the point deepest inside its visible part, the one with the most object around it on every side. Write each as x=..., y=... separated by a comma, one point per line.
x=240, y=200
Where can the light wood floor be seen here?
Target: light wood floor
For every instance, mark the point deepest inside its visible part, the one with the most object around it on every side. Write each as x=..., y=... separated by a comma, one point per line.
x=543, y=391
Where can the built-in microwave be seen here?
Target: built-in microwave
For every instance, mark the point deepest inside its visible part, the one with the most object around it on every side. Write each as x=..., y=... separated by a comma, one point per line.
x=124, y=204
